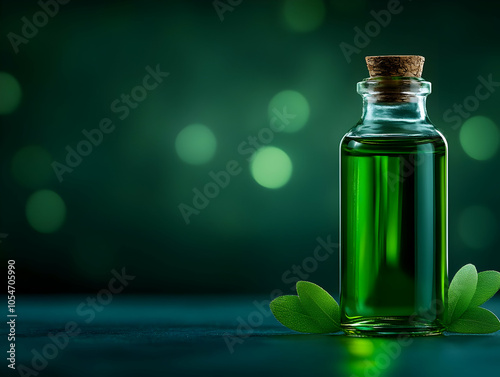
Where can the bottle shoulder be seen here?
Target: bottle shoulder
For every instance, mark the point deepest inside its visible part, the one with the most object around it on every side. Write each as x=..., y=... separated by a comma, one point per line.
x=396, y=138
x=388, y=130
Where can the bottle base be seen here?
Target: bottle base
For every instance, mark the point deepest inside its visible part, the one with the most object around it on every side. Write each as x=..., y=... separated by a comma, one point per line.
x=390, y=327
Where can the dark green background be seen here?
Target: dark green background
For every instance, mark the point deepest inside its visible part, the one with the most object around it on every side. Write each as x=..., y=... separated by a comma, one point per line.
x=122, y=200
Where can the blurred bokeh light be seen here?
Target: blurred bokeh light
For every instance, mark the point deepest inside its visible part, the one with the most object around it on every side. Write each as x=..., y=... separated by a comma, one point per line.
x=45, y=211
x=480, y=137
x=303, y=15
x=196, y=144
x=271, y=167
x=290, y=110
x=10, y=93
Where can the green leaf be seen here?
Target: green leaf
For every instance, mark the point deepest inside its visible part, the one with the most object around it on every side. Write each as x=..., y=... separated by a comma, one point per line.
x=488, y=283
x=475, y=321
x=319, y=304
x=462, y=289
x=290, y=312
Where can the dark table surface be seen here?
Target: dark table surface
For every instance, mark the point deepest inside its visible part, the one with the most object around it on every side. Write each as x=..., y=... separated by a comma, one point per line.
x=220, y=336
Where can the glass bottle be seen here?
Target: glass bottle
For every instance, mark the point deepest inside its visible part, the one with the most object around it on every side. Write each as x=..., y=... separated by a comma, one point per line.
x=393, y=216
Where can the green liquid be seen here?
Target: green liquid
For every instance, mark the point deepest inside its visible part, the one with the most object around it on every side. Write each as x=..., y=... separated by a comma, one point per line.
x=393, y=235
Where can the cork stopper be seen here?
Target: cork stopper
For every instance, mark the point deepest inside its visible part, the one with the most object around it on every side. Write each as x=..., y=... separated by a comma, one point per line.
x=395, y=65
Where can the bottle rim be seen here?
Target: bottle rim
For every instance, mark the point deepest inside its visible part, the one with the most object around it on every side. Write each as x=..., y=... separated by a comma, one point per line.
x=406, y=86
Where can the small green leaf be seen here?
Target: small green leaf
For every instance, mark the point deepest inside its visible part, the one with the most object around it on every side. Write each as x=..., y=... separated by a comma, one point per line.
x=289, y=311
x=488, y=283
x=462, y=289
x=475, y=321
x=319, y=304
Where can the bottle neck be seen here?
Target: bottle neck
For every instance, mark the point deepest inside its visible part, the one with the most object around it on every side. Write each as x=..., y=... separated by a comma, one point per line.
x=413, y=111
x=394, y=99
